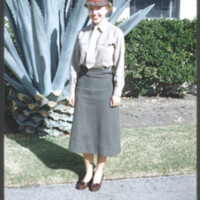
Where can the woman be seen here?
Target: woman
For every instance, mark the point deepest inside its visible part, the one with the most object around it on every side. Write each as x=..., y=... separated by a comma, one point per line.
x=96, y=83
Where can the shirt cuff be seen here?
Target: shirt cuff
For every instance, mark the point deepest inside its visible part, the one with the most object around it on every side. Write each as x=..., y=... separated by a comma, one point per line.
x=117, y=91
x=72, y=87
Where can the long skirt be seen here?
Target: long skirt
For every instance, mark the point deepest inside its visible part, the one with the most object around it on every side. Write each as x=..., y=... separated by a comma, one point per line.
x=95, y=128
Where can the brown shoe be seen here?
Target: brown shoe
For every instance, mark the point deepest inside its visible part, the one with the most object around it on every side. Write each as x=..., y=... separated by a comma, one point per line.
x=81, y=185
x=96, y=186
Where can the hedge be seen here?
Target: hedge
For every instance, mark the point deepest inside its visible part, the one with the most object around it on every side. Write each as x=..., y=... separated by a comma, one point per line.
x=160, y=57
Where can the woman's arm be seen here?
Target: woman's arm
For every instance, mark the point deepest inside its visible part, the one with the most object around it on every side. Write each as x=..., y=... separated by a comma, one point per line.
x=119, y=69
x=74, y=70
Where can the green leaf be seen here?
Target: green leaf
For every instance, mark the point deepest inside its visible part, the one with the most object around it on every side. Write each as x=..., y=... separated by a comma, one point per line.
x=8, y=43
x=11, y=14
x=19, y=87
x=51, y=10
x=41, y=50
x=12, y=65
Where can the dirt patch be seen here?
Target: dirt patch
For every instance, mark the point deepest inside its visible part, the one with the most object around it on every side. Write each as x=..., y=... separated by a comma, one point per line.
x=157, y=111
x=143, y=112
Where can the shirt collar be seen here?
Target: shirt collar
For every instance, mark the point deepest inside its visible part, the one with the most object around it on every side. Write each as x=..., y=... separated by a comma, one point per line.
x=102, y=25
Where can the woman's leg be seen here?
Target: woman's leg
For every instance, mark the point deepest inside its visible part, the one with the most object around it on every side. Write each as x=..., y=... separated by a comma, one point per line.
x=99, y=170
x=88, y=160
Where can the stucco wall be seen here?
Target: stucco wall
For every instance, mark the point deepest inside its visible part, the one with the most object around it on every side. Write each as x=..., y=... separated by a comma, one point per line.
x=188, y=9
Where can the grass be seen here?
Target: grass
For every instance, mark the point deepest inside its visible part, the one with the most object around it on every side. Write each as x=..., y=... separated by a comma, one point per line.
x=145, y=152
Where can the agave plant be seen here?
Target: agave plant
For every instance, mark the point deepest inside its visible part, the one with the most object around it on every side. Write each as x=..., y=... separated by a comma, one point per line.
x=38, y=59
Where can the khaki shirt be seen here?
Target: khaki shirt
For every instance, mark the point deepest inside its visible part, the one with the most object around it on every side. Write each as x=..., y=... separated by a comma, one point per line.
x=109, y=52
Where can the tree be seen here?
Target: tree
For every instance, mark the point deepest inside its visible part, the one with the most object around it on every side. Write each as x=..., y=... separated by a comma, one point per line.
x=38, y=59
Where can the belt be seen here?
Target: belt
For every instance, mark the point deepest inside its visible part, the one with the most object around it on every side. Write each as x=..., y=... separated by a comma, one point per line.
x=95, y=67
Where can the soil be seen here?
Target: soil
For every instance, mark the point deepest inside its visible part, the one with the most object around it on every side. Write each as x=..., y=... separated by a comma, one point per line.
x=143, y=112
x=157, y=111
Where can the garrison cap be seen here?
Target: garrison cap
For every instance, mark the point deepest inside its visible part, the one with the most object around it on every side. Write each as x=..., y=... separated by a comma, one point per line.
x=98, y=3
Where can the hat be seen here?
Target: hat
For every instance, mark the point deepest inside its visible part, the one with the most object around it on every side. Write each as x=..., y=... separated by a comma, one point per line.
x=97, y=3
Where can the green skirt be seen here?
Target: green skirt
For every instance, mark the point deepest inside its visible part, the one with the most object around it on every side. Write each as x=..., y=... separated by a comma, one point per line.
x=95, y=128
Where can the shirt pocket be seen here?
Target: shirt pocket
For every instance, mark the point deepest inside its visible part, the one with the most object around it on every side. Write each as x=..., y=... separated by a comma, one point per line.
x=105, y=51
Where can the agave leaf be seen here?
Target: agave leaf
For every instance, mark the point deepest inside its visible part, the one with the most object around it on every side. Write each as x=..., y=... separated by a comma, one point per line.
x=10, y=5
x=10, y=14
x=14, y=83
x=77, y=20
x=8, y=43
x=41, y=50
x=119, y=9
x=66, y=91
x=130, y=23
x=88, y=22
x=41, y=4
x=64, y=14
x=12, y=65
x=68, y=12
x=49, y=9
x=23, y=16
x=52, y=30
x=61, y=4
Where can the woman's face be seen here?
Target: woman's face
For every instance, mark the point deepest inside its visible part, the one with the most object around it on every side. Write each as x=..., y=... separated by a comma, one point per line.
x=97, y=13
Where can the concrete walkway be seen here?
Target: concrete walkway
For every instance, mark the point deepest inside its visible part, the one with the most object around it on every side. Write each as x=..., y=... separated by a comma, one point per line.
x=157, y=188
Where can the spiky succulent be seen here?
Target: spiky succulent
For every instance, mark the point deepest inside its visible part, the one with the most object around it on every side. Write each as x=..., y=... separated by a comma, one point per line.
x=38, y=59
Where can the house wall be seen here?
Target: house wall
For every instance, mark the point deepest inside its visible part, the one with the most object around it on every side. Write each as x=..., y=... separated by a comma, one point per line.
x=188, y=9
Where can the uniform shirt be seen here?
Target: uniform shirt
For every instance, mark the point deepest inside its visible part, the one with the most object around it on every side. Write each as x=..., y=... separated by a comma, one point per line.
x=109, y=52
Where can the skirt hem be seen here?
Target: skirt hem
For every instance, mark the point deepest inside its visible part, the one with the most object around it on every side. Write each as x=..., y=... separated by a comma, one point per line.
x=79, y=148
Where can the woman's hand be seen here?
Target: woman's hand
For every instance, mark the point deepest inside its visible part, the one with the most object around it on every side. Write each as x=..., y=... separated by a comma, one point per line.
x=115, y=101
x=72, y=99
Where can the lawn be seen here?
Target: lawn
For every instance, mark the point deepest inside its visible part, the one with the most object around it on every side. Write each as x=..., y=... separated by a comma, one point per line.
x=146, y=152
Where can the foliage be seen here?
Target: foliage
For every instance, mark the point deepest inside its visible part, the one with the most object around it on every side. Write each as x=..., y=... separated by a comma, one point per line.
x=161, y=57
x=38, y=54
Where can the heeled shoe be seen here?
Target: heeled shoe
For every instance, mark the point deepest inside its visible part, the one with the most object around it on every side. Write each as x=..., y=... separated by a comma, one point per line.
x=96, y=186
x=81, y=185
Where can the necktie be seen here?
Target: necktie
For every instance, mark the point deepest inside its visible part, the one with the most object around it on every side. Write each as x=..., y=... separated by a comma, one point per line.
x=91, y=58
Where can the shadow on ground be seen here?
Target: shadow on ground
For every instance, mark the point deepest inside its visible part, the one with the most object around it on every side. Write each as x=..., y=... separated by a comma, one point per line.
x=52, y=155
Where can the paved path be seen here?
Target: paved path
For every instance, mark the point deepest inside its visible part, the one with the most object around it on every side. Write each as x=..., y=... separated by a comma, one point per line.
x=158, y=188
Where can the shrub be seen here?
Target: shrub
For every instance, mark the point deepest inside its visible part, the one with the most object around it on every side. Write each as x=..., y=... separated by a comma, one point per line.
x=160, y=57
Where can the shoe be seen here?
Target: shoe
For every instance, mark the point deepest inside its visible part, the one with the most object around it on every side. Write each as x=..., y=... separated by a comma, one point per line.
x=81, y=185
x=96, y=186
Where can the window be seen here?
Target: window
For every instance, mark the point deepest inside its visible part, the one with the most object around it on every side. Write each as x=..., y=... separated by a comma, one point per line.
x=162, y=8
